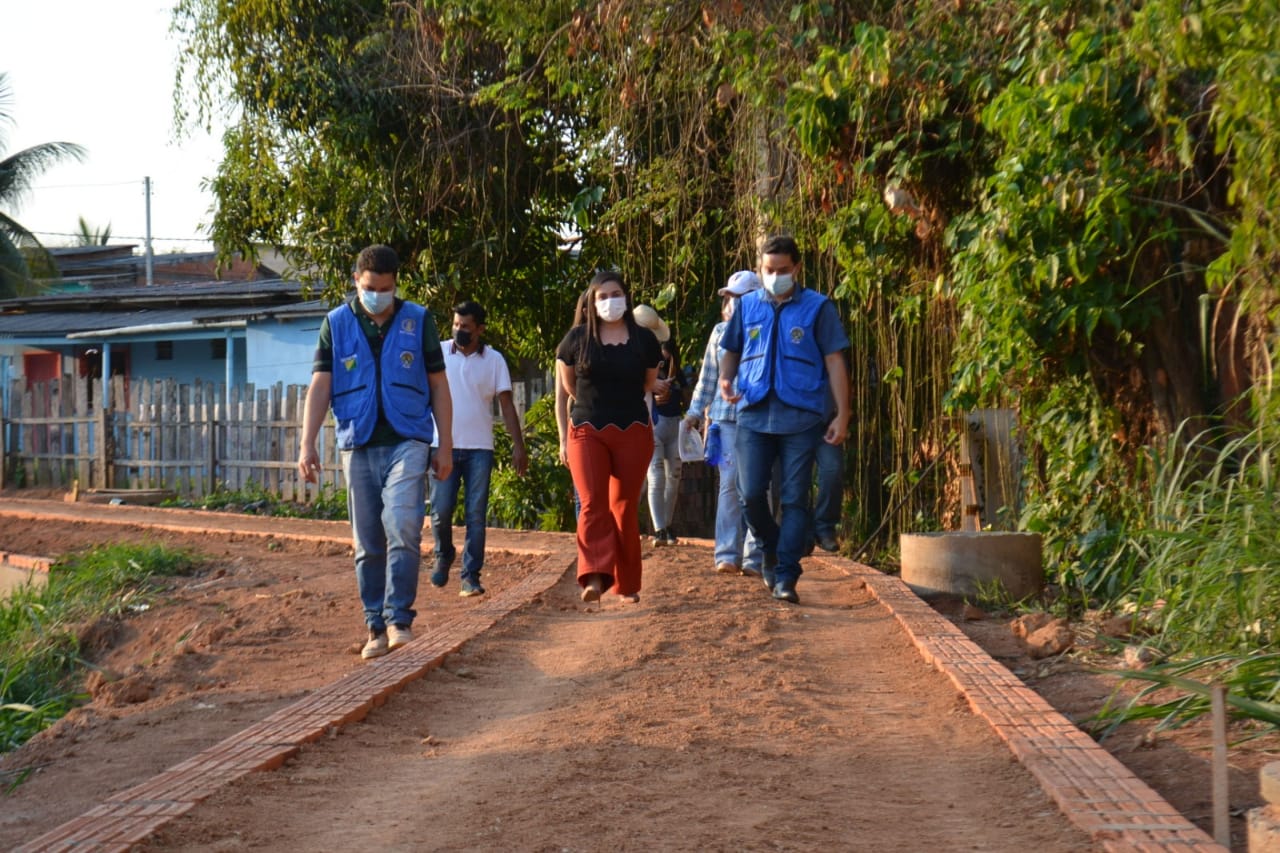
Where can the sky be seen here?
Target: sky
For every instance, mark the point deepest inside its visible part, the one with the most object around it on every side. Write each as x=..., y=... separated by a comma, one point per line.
x=101, y=75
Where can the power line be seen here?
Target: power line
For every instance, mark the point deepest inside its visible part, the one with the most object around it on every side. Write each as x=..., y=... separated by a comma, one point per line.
x=124, y=237
x=84, y=186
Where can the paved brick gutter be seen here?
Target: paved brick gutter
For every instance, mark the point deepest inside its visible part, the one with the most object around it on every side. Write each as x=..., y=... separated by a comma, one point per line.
x=1093, y=789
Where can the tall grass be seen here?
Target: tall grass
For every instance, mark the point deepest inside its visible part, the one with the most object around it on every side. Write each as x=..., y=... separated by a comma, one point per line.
x=40, y=661
x=1209, y=579
x=1213, y=548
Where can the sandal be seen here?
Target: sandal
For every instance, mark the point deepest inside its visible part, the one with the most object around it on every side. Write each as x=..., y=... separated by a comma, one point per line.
x=591, y=592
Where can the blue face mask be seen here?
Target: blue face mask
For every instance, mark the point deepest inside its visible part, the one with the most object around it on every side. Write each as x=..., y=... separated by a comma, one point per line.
x=375, y=302
x=778, y=284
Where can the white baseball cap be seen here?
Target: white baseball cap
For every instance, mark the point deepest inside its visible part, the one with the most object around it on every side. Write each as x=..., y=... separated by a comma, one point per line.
x=740, y=283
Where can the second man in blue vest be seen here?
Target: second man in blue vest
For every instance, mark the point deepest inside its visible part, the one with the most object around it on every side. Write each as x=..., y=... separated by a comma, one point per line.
x=784, y=346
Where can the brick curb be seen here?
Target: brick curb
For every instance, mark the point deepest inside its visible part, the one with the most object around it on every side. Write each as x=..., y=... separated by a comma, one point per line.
x=130, y=816
x=1095, y=791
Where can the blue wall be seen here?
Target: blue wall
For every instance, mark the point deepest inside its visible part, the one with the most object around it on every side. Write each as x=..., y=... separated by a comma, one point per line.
x=281, y=351
x=192, y=359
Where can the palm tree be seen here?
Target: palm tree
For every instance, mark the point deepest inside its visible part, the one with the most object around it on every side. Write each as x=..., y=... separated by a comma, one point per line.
x=20, y=251
x=90, y=236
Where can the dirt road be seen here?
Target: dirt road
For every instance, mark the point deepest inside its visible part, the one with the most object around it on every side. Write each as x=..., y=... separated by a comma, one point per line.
x=708, y=717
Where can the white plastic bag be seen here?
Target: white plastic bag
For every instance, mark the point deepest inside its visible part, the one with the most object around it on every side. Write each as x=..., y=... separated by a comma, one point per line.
x=690, y=443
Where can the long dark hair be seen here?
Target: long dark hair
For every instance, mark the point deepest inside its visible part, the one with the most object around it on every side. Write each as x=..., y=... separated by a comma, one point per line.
x=590, y=341
x=671, y=356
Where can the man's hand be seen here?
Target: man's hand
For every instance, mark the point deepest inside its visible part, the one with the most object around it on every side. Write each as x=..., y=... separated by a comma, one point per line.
x=442, y=461
x=519, y=461
x=309, y=464
x=837, y=430
x=727, y=391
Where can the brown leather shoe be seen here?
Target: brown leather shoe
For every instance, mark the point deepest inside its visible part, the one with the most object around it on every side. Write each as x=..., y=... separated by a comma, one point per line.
x=727, y=569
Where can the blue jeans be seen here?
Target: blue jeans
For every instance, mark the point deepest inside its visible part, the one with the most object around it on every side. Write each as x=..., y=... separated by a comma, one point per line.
x=757, y=452
x=734, y=543
x=386, y=497
x=827, y=505
x=471, y=470
x=664, y=472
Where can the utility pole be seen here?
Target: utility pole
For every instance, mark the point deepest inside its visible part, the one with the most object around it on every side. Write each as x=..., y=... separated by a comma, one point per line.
x=146, y=183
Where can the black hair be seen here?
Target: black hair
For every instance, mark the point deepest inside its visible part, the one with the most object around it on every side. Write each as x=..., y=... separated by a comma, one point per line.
x=472, y=309
x=378, y=259
x=781, y=244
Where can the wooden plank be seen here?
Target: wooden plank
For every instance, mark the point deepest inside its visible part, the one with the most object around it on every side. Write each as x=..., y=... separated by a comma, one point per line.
x=84, y=464
x=262, y=435
x=102, y=427
x=292, y=416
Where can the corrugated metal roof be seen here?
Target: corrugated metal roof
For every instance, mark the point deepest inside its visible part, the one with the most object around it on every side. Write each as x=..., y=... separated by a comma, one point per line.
x=191, y=292
x=61, y=323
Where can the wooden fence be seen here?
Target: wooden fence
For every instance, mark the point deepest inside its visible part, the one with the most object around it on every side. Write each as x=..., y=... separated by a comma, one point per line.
x=200, y=438
x=158, y=434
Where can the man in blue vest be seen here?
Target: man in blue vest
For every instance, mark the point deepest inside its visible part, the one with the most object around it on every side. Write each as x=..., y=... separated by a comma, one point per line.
x=785, y=347
x=378, y=364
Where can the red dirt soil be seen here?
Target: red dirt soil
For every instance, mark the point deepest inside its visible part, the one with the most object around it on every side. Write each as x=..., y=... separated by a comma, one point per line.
x=707, y=717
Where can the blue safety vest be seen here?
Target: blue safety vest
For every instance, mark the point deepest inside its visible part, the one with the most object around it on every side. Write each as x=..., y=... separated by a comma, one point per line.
x=780, y=352
x=399, y=379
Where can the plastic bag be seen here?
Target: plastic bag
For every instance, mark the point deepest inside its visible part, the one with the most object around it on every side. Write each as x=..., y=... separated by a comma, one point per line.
x=713, y=453
x=690, y=441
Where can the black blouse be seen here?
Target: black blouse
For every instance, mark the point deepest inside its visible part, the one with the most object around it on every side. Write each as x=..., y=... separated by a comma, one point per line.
x=613, y=391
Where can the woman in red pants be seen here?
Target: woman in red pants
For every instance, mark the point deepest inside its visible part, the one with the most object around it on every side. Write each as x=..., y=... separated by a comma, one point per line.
x=607, y=365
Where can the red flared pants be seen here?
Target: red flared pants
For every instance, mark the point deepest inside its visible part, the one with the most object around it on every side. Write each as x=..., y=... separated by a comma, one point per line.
x=609, y=468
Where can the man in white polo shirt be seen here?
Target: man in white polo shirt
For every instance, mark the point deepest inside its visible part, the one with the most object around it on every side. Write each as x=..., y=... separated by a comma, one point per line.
x=477, y=373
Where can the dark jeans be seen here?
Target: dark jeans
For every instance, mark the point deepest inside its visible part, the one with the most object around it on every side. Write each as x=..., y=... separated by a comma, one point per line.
x=757, y=452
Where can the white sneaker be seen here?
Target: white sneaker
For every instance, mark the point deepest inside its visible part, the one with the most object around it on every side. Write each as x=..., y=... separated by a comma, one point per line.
x=376, y=646
x=398, y=636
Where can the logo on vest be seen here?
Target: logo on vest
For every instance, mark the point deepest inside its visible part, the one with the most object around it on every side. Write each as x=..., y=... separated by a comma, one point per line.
x=406, y=359
x=753, y=333
x=408, y=325
x=349, y=363
x=797, y=334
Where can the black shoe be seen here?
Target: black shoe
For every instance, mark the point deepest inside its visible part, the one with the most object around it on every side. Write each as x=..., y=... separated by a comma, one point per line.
x=828, y=543
x=659, y=538
x=440, y=576
x=670, y=536
x=786, y=591
x=766, y=571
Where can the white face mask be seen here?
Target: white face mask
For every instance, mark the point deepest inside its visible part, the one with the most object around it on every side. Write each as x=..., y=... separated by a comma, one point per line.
x=611, y=309
x=776, y=284
x=375, y=302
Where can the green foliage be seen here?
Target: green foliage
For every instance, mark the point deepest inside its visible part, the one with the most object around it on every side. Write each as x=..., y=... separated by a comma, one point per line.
x=1208, y=589
x=358, y=122
x=21, y=255
x=329, y=504
x=1072, y=498
x=1253, y=692
x=1209, y=547
x=543, y=498
x=1061, y=207
x=40, y=662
